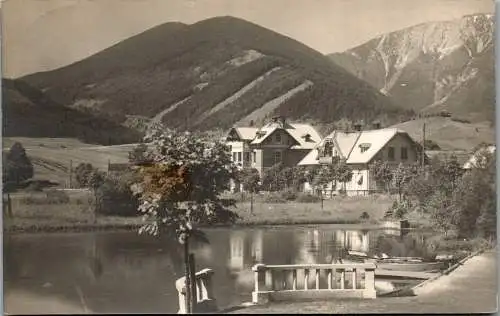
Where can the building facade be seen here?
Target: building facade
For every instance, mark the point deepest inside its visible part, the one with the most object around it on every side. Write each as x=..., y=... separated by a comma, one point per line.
x=359, y=149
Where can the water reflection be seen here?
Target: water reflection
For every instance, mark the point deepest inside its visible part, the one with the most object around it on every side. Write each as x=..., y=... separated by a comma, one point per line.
x=124, y=272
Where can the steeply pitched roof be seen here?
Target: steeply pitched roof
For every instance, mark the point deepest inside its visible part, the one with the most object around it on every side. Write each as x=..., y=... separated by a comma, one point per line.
x=297, y=131
x=348, y=144
x=246, y=133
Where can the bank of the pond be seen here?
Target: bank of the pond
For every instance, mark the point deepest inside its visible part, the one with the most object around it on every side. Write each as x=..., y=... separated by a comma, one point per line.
x=135, y=225
x=342, y=210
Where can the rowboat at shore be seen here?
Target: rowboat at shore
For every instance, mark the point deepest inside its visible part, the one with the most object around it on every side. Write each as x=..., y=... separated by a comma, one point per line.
x=410, y=264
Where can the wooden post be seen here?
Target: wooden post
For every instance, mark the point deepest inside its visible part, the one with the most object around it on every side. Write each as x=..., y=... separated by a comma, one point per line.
x=70, y=173
x=187, y=285
x=259, y=295
x=9, y=206
x=423, y=145
x=192, y=287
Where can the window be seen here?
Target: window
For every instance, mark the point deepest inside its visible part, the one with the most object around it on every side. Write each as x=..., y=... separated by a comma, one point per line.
x=328, y=149
x=404, y=153
x=364, y=147
x=246, y=155
x=277, y=137
x=239, y=156
x=390, y=153
x=254, y=156
x=234, y=156
x=277, y=157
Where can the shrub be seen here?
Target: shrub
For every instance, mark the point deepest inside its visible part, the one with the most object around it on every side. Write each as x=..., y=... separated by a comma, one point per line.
x=57, y=197
x=274, y=198
x=308, y=198
x=460, y=120
x=34, y=186
x=365, y=215
x=289, y=195
x=116, y=198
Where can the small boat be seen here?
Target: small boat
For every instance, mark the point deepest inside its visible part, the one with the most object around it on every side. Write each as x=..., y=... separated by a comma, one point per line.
x=410, y=264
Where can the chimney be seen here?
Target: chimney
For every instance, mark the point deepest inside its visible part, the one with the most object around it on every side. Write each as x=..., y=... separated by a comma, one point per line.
x=376, y=125
x=283, y=121
x=357, y=127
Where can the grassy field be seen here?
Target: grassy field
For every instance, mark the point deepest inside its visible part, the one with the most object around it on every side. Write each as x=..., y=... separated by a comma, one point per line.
x=35, y=212
x=51, y=157
x=449, y=134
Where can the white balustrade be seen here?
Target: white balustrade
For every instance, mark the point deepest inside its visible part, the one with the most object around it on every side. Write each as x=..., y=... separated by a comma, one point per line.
x=205, y=300
x=339, y=280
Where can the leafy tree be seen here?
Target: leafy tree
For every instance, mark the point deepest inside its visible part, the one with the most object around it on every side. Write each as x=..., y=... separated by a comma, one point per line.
x=181, y=186
x=271, y=178
x=250, y=178
x=402, y=176
x=138, y=155
x=343, y=173
x=95, y=180
x=381, y=173
x=115, y=196
x=323, y=177
x=82, y=174
x=474, y=200
x=17, y=167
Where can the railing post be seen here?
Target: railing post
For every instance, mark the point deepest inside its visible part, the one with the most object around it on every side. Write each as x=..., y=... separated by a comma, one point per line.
x=207, y=302
x=180, y=285
x=260, y=293
x=369, y=291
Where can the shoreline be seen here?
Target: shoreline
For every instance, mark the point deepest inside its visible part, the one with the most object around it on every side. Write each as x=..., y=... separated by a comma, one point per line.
x=99, y=227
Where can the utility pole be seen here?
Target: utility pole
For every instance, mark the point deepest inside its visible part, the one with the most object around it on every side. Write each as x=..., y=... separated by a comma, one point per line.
x=423, y=145
x=71, y=174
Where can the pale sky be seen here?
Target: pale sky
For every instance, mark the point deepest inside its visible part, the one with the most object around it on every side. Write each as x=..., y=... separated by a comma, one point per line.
x=41, y=35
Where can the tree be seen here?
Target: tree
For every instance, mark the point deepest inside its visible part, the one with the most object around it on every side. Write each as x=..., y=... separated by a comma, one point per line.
x=250, y=178
x=95, y=180
x=17, y=167
x=401, y=177
x=138, y=155
x=82, y=174
x=271, y=179
x=474, y=200
x=343, y=173
x=381, y=173
x=115, y=197
x=181, y=187
x=323, y=177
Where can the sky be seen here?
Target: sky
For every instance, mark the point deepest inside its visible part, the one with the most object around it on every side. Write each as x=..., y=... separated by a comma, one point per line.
x=40, y=35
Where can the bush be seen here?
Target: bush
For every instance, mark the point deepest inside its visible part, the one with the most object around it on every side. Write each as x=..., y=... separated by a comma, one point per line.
x=115, y=198
x=308, y=198
x=274, y=198
x=460, y=120
x=289, y=195
x=57, y=197
x=34, y=187
x=365, y=215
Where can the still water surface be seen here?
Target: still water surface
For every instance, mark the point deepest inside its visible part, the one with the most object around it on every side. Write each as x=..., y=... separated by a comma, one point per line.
x=122, y=272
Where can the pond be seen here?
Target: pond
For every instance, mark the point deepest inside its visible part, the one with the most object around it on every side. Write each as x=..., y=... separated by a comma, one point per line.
x=122, y=272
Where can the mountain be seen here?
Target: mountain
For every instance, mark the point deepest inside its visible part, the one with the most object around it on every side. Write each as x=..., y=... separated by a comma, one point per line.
x=432, y=67
x=213, y=74
x=28, y=112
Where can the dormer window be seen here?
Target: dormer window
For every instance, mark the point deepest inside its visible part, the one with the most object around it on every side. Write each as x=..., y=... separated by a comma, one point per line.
x=259, y=134
x=306, y=137
x=364, y=147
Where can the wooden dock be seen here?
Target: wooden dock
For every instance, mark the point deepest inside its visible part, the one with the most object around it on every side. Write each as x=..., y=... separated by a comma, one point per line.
x=404, y=274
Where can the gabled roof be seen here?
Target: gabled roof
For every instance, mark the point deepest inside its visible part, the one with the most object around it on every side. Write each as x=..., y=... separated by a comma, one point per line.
x=245, y=133
x=349, y=145
x=297, y=131
x=473, y=160
x=377, y=139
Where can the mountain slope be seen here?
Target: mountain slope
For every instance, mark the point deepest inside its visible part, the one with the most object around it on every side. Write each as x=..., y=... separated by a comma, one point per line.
x=214, y=73
x=28, y=112
x=432, y=67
